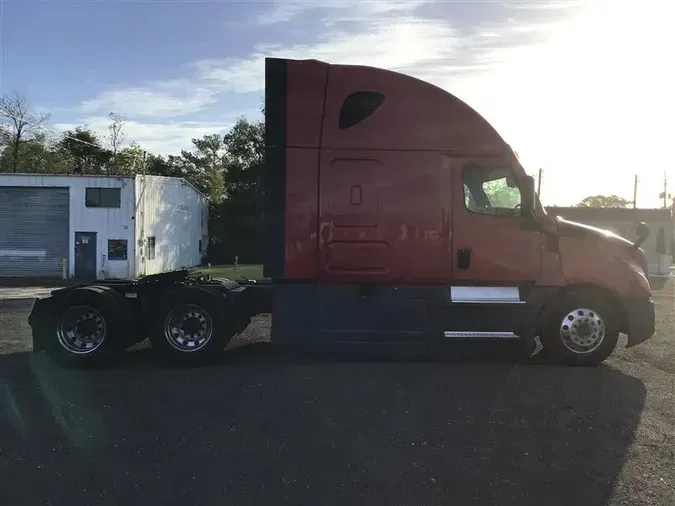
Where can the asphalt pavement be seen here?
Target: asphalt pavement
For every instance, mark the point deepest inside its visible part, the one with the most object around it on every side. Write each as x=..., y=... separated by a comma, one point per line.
x=24, y=292
x=272, y=426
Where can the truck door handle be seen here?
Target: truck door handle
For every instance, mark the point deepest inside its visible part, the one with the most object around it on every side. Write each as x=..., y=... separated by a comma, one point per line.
x=463, y=258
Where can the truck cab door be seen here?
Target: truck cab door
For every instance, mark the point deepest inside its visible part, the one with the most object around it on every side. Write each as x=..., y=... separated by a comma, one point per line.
x=496, y=254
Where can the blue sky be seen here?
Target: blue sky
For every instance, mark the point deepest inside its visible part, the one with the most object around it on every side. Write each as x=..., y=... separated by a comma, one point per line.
x=579, y=88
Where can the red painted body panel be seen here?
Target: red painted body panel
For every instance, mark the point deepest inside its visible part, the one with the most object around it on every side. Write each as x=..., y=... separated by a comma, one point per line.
x=502, y=250
x=382, y=200
x=397, y=230
x=383, y=189
x=306, y=85
x=598, y=262
x=302, y=178
x=551, y=272
x=365, y=205
x=415, y=115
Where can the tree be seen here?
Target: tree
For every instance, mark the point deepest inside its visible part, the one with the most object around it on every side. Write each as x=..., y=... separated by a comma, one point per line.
x=203, y=167
x=501, y=195
x=39, y=155
x=210, y=149
x=245, y=146
x=115, y=136
x=18, y=123
x=236, y=222
x=604, y=201
x=83, y=148
x=128, y=160
x=171, y=166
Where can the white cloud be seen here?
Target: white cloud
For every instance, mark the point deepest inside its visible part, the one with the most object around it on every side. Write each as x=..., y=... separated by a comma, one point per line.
x=388, y=35
x=561, y=81
x=283, y=11
x=587, y=103
x=543, y=5
x=149, y=102
x=407, y=43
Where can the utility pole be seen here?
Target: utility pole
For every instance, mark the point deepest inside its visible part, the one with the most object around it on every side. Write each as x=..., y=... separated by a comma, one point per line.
x=635, y=192
x=665, y=190
x=539, y=184
x=141, y=241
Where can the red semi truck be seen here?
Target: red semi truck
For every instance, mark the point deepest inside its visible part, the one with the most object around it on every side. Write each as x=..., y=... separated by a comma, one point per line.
x=394, y=213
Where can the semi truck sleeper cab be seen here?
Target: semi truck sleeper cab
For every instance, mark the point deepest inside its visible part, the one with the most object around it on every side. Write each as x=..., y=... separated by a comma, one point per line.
x=394, y=213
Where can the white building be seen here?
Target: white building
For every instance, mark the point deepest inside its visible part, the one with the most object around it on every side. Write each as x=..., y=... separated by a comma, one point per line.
x=99, y=226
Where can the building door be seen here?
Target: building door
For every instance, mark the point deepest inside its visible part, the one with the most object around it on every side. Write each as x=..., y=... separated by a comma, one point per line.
x=34, y=231
x=85, y=254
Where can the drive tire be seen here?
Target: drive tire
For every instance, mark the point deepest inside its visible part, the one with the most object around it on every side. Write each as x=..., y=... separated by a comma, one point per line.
x=99, y=307
x=582, y=329
x=202, y=309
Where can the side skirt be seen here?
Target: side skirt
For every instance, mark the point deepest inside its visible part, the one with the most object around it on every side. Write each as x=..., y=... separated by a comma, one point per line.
x=431, y=314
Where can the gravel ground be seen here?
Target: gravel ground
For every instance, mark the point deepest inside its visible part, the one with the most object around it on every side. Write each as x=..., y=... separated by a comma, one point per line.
x=274, y=427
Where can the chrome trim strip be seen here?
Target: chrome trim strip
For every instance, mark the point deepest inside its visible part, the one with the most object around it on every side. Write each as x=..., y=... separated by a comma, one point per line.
x=485, y=294
x=464, y=333
x=489, y=301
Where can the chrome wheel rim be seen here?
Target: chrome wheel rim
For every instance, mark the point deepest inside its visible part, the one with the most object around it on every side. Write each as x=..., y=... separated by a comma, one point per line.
x=582, y=330
x=188, y=327
x=81, y=330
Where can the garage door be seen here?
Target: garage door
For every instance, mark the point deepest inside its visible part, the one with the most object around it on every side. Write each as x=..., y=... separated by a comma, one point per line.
x=34, y=224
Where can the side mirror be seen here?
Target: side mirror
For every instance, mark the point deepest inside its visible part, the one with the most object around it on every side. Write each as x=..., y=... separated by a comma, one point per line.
x=527, y=195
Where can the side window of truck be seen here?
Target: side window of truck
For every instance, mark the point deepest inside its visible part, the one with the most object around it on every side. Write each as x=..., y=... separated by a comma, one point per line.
x=491, y=191
x=358, y=106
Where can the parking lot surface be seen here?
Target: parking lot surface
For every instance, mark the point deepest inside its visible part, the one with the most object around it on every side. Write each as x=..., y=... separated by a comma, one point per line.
x=270, y=426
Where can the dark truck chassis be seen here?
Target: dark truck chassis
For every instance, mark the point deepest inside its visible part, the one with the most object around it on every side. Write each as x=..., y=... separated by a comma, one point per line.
x=88, y=324
x=122, y=313
x=190, y=318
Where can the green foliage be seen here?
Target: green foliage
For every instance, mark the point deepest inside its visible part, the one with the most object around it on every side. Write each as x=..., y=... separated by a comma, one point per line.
x=116, y=138
x=128, y=160
x=19, y=127
x=83, y=149
x=235, y=223
x=216, y=187
x=208, y=159
x=226, y=168
x=501, y=195
x=34, y=155
x=604, y=201
x=234, y=271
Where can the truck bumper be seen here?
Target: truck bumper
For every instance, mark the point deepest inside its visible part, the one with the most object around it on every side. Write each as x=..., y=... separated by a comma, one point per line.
x=640, y=319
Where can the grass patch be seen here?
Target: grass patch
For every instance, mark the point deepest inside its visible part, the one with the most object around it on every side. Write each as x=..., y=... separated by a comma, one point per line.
x=234, y=271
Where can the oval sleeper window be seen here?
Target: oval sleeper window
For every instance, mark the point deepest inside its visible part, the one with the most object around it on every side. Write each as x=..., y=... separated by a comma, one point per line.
x=358, y=106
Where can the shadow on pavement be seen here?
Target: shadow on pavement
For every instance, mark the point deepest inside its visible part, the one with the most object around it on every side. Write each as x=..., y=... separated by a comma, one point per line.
x=268, y=426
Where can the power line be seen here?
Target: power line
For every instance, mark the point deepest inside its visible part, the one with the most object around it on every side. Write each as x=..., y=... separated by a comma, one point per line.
x=33, y=125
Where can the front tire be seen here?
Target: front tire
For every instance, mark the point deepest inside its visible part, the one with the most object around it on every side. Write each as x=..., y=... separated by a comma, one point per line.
x=190, y=326
x=582, y=329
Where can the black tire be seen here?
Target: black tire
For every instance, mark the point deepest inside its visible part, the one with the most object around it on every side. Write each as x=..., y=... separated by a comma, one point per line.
x=591, y=312
x=101, y=307
x=197, y=306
